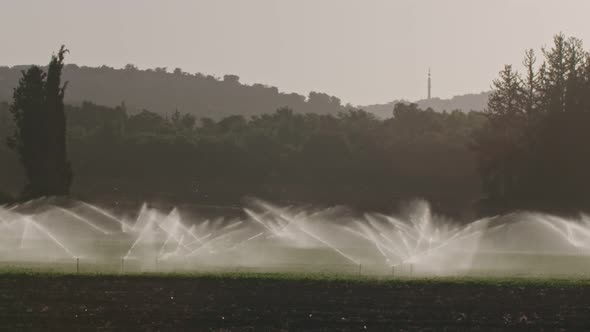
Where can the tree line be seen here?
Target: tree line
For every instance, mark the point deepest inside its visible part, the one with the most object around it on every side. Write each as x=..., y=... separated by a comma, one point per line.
x=349, y=158
x=526, y=151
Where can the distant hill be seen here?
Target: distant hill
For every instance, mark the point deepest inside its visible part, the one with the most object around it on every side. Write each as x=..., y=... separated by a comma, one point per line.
x=204, y=95
x=163, y=92
x=466, y=103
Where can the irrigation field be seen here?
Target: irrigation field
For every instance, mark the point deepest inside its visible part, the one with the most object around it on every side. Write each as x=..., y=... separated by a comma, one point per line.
x=74, y=266
x=313, y=261
x=288, y=302
x=60, y=235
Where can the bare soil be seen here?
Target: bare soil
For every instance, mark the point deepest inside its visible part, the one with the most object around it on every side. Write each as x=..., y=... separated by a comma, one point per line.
x=37, y=302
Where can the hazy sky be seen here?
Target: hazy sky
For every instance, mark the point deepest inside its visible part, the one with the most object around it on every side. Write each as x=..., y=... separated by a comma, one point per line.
x=363, y=51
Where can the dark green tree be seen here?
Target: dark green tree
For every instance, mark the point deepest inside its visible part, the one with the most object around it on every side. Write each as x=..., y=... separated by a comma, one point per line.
x=39, y=137
x=60, y=170
x=500, y=144
x=530, y=86
x=188, y=121
x=532, y=153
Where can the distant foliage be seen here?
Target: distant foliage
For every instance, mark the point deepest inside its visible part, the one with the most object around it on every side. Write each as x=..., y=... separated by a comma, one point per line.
x=162, y=91
x=528, y=150
x=466, y=103
x=533, y=152
x=348, y=158
x=39, y=133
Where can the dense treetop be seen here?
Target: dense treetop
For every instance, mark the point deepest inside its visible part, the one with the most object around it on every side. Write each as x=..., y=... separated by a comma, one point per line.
x=533, y=151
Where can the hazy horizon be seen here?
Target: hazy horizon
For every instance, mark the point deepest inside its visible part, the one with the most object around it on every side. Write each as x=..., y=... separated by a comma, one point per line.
x=362, y=52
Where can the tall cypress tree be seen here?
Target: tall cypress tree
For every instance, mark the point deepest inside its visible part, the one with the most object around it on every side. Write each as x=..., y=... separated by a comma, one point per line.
x=60, y=172
x=39, y=136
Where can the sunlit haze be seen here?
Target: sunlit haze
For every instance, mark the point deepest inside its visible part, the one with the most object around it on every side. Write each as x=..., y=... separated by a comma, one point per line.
x=364, y=52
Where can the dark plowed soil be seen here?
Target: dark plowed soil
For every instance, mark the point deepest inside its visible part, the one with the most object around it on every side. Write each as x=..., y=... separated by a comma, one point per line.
x=151, y=303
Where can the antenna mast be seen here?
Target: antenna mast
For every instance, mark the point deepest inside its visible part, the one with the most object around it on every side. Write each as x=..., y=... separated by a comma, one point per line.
x=429, y=85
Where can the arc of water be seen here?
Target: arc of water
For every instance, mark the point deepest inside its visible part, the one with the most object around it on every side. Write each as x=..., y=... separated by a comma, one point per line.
x=290, y=221
x=25, y=229
x=561, y=233
x=176, y=252
x=275, y=210
x=241, y=243
x=420, y=228
x=207, y=244
x=398, y=224
x=16, y=206
x=317, y=238
x=571, y=227
x=404, y=232
x=190, y=231
x=381, y=230
x=142, y=212
x=394, y=252
x=105, y=213
x=217, y=222
x=280, y=213
x=48, y=234
x=82, y=219
x=180, y=244
x=372, y=241
x=453, y=239
x=172, y=236
x=232, y=225
x=18, y=218
x=4, y=221
x=404, y=241
x=199, y=240
x=395, y=248
x=257, y=219
x=371, y=237
x=171, y=233
x=330, y=246
x=378, y=245
x=144, y=231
